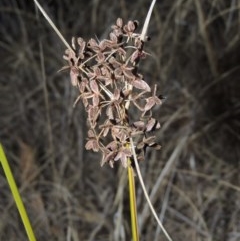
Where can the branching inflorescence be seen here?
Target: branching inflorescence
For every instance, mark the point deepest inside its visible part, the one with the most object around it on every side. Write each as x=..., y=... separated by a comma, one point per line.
x=110, y=85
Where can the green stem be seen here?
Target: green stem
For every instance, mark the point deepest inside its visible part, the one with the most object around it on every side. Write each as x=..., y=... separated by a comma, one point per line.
x=132, y=197
x=16, y=195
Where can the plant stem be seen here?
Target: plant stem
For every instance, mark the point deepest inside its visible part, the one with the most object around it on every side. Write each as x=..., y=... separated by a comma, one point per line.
x=52, y=25
x=16, y=195
x=132, y=197
x=145, y=192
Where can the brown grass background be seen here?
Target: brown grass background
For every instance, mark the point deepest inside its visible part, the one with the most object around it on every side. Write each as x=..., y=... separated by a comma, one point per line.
x=194, y=180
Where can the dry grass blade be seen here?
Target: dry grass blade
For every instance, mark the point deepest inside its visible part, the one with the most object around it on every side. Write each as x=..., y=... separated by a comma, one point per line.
x=165, y=171
x=205, y=35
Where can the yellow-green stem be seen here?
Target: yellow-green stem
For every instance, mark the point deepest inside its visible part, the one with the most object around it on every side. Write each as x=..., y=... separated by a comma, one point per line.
x=16, y=195
x=132, y=197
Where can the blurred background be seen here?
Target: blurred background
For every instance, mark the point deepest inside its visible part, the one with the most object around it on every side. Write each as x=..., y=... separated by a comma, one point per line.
x=193, y=181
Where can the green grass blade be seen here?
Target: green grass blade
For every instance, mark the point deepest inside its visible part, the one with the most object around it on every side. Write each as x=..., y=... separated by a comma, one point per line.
x=16, y=195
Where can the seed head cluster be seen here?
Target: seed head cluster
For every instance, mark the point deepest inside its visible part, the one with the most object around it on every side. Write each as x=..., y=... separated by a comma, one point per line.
x=117, y=99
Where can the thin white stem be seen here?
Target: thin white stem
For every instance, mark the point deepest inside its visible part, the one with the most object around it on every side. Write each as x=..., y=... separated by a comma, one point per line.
x=52, y=25
x=145, y=192
x=146, y=23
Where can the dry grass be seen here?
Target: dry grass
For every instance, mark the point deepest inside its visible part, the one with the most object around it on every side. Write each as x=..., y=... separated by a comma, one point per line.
x=193, y=181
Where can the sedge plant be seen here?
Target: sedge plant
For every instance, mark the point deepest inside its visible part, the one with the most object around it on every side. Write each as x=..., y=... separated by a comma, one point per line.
x=117, y=99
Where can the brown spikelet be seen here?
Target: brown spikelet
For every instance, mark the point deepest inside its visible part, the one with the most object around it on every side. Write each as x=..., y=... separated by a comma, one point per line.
x=107, y=76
